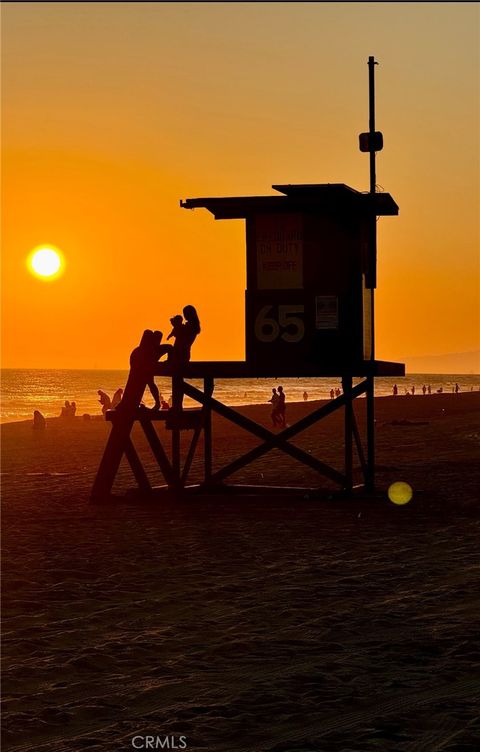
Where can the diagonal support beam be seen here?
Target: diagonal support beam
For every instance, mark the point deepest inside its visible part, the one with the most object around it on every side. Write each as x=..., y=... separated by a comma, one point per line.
x=137, y=467
x=260, y=431
x=271, y=440
x=191, y=451
x=205, y=424
x=298, y=454
x=158, y=450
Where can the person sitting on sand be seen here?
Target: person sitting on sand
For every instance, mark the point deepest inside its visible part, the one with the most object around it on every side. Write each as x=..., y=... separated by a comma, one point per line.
x=65, y=411
x=104, y=401
x=73, y=409
x=117, y=398
x=39, y=421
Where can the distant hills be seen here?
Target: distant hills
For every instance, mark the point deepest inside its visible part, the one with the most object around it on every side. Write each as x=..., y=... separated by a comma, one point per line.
x=464, y=362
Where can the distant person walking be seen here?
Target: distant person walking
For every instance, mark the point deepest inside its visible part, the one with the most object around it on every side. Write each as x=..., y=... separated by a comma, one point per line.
x=395, y=390
x=429, y=389
x=424, y=389
x=305, y=396
x=332, y=393
x=413, y=390
x=274, y=402
x=281, y=407
x=457, y=389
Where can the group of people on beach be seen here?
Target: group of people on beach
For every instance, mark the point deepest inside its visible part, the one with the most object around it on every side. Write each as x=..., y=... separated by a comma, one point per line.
x=106, y=402
x=68, y=410
x=425, y=390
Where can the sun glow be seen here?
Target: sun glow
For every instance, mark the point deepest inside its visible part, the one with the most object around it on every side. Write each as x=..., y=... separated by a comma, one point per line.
x=46, y=262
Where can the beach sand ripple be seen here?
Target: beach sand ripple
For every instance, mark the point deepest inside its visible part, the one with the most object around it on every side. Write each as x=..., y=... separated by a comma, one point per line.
x=246, y=625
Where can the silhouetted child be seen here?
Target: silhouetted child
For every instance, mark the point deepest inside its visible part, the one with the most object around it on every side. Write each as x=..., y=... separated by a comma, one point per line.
x=185, y=338
x=176, y=322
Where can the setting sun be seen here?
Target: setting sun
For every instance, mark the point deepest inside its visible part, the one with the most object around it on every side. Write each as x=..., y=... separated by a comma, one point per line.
x=46, y=262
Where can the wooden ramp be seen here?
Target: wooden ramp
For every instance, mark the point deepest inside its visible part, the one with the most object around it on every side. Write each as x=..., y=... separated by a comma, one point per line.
x=199, y=421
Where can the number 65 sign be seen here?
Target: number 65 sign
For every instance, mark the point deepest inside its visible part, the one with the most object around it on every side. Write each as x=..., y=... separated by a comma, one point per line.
x=273, y=322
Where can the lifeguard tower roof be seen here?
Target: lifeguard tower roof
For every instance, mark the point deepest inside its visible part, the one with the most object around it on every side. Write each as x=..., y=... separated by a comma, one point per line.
x=316, y=196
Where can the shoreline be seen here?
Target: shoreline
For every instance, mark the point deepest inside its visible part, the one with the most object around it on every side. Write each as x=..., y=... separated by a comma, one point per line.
x=315, y=403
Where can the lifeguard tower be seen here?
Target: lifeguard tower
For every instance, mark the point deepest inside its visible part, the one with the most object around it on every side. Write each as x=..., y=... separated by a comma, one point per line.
x=309, y=312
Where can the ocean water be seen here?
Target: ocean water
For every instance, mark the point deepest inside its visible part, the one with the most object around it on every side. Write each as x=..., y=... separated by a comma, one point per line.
x=26, y=390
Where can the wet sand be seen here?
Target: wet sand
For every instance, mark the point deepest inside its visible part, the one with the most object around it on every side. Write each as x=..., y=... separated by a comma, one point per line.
x=270, y=624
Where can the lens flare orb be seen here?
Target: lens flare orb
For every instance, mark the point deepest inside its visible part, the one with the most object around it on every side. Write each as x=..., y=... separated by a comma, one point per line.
x=46, y=262
x=400, y=492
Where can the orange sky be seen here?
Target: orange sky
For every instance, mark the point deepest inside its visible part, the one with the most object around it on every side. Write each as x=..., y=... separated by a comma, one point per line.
x=113, y=112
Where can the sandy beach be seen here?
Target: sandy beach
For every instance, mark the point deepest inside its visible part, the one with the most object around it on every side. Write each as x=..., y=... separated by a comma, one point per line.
x=264, y=624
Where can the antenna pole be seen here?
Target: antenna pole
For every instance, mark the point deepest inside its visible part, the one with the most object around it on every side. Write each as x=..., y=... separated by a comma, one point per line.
x=372, y=265
x=372, y=282
x=371, y=119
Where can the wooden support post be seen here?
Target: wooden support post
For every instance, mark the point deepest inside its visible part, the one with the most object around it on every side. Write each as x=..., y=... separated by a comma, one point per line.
x=347, y=390
x=208, y=387
x=177, y=403
x=370, y=396
x=358, y=442
x=120, y=433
